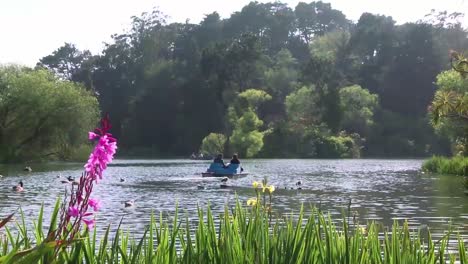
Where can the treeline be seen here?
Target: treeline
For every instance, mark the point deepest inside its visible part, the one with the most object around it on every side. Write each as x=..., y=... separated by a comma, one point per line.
x=43, y=117
x=271, y=81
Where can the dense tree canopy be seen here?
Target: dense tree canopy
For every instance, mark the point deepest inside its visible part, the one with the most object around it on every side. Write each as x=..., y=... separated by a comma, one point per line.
x=335, y=88
x=42, y=116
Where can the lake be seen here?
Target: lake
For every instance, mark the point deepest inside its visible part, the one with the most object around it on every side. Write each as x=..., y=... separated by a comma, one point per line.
x=379, y=190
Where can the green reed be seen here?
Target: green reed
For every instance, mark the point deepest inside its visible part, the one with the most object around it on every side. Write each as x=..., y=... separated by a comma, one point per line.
x=239, y=235
x=457, y=165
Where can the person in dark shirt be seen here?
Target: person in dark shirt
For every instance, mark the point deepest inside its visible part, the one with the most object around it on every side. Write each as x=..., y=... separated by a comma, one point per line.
x=219, y=159
x=235, y=160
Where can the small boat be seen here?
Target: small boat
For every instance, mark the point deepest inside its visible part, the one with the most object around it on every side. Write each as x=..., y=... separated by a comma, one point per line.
x=229, y=175
x=231, y=171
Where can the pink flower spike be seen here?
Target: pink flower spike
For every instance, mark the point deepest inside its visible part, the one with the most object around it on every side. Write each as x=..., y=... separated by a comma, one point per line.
x=73, y=211
x=79, y=198
x=89, y=222
x=95, y=204
x=92, y=136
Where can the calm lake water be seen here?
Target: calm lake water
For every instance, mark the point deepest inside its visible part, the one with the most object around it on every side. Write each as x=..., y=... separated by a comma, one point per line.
x=379, y=190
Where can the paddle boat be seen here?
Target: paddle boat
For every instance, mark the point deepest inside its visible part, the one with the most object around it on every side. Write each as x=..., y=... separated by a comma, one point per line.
x=231, y=171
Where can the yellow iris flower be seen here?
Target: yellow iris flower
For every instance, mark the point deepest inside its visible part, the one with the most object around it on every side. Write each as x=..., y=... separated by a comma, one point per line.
x=363, y=230
x=252, y=201
x=271, y=189
x=268, y=189
x=255, y=184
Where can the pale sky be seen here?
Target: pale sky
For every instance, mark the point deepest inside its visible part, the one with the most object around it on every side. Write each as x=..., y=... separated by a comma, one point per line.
x=32, y=29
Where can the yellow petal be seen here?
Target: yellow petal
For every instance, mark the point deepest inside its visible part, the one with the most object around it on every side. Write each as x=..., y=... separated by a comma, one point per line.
x=271, y=188
x=255, y=184
x=252, y=201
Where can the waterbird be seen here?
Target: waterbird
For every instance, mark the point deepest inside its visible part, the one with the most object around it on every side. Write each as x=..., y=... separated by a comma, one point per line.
x=71, y=180
x=27, y=168
x=19, y=187
x=201, y=187
x=122, y=179
x=225, y=179
x=299, y=182
x=129, y=203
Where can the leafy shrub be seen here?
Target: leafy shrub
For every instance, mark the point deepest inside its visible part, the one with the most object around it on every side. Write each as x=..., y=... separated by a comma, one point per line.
x=342, y=146
x=213, y=144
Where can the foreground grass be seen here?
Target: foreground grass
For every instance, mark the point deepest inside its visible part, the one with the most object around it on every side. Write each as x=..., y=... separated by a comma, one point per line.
x=456, y=165
x=240, y=235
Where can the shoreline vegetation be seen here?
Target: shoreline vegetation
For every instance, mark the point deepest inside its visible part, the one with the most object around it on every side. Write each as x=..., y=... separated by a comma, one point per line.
x=270, y=80
x=457, y=165
x=239, y=235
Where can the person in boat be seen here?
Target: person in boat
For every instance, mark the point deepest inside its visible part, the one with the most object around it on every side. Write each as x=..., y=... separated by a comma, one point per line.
x=219, y=159
x=235, y=160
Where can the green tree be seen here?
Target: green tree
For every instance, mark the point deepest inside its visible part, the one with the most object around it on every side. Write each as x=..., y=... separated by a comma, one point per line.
x=371, y=43
x=449, y=109
x=303, y=108
x=317, y=18
x=281, y=77
x=168, y=85
x=254, y=97
x=305, y=119
x=67, y=62
x=213, y=144
x=358, y=107
x=322, y=74
x=415, y=65
x=331, y=46
x=246, y=138
x=42, y=116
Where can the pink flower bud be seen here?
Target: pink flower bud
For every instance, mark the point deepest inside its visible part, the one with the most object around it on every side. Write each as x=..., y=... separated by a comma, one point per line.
x=73, y=211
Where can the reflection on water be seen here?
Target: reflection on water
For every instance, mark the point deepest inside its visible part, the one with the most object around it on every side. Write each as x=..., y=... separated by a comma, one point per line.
x=379, y=190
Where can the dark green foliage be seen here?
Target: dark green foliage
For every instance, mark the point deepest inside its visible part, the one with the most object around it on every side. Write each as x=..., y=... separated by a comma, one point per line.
x=167, y=86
